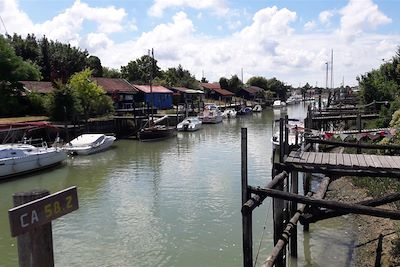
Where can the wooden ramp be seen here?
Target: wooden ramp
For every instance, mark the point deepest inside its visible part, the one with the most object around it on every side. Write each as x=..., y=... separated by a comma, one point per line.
x=344, y=164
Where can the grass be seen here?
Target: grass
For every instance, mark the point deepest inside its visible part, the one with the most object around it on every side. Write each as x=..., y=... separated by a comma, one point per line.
x=23, y=119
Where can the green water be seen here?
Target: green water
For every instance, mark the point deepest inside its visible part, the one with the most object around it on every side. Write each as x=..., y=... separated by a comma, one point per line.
x=170, y=203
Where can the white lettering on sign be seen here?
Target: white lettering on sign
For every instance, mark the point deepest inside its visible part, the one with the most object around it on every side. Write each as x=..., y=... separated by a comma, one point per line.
x=22, y=220
x=34, y=217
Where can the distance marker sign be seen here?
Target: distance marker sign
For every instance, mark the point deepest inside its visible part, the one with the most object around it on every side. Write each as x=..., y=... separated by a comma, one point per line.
x=41, y=211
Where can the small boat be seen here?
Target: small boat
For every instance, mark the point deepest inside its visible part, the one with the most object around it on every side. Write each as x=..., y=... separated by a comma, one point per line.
x=279, y=104
x=16, y=159
x=257, y=108
x=229, y=113
x=295, y=128
x=245, y=111
x=190, y=124
x=211, y=114
x=155, y=132
x=86, y=144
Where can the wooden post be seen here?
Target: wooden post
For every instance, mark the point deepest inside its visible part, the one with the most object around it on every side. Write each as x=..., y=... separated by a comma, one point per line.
x=293, y=209
x=359, y=130
x=278, y=205
x=281, y=141
x=246, y=218
x=306, y=189
x=286, y=135
x=35, y=248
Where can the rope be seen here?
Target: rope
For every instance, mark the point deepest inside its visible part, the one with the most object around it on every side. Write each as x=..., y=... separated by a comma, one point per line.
x=262, y=235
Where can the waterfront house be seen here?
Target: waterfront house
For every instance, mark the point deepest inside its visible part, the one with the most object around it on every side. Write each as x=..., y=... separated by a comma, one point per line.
x=251, y=93
x=214, y=91
x=186, y=95
x=120, y=90
x=159, y=97
x=42, y=88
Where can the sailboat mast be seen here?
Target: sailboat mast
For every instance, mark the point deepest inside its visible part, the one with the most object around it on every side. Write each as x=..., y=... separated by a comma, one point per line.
x=151, y=55
x=332, y=70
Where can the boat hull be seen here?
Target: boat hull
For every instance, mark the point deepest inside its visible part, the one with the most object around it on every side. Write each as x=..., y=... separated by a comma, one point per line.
x=155, y=134
x=91, y=149
x=21, y=165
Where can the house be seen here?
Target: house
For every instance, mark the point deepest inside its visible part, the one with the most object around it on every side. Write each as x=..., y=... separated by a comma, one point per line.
x=120, y=90
x=185, y=95
x=251, y=93
x=157, y=96
x=214, y=91
x=38, y=87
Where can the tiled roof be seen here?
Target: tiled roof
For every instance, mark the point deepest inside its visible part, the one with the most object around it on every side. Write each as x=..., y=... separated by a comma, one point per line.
x=223, y=92
x=211, y=86
x=114, y=85
x=154, y=88
x=39, y=87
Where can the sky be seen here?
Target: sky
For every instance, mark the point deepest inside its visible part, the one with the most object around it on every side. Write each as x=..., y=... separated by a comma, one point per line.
x=291, y=40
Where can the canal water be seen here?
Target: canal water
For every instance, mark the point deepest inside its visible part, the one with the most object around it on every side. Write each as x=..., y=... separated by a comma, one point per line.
x=170, y=203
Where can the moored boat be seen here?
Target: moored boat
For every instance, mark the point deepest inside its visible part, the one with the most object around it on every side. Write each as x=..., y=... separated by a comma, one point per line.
x=86, y=144
x=257, y=108
x=16, y=159
x=156, y=132
x=190, y=124
x=211, y=114
x=244, y=111
x=279, y=104
x=229, y=113
x=296, y=131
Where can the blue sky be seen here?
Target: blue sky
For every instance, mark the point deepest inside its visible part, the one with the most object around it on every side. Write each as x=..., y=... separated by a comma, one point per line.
x=288, y=39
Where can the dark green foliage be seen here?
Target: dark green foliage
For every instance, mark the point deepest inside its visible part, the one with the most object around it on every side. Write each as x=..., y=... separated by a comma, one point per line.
x=64, y=103
x=26, y=48
x=224, y=83
x=94, y=64
x=273, y=84
x=37, y=103
x=111, y=73
x=138, y=71
x=179, y=77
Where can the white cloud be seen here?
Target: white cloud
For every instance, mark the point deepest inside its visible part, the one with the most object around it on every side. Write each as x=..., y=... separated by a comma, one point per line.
x=310, y=25
x=94, y=41
x=359, y=16
x=14, y=19
x=325, y=17
x=158, y=7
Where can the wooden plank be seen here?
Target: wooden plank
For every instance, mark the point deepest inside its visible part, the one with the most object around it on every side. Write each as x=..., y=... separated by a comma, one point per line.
x=339, y=159
x=346, y=160
x=354, y=160
x=304, y=157
x=318, y=158
x=325, y=158
x=361, y=160
x=392, y=163
x=369, y=161
x=332, y=159
x=384, y=161
x=376, y=161
x=397, y=161
x=311, y=158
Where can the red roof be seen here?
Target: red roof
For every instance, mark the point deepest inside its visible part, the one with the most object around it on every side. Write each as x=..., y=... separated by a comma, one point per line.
x=217, y=88
x=39, y=87
x=114, y=85
x=154, y=88
x=253, y=89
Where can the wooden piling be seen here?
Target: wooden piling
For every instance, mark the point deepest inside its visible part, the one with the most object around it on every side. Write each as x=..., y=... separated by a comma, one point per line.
x=35, y=248
x=247, y=230
x=293, y=209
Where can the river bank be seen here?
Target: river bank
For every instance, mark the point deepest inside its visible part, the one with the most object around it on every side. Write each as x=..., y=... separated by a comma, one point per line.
x=366, y=228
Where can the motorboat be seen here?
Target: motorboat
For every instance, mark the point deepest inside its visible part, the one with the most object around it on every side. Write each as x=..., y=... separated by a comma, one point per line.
x=155, y=132
x=16, y=159
x=245, y=111
x=86, y=144
x=211, y=114
x=190, y=124
x=293, y=99
x=296, y=131
x=229, y=113
x=279, y=104
x=257, y=108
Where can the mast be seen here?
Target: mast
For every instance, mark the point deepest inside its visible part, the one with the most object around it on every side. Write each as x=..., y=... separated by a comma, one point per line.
x=332, y=69
x=151, y=55
x=326, y=82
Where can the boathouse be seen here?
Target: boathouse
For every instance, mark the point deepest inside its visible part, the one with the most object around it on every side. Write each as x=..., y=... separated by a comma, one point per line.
x=186, y=95
x=251, y=93
x=214, y=91
x=159, y=97
x=120, y=90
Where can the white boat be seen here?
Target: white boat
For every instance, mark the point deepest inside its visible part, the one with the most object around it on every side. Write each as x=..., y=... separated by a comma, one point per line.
x=257, y=108
x=86, y=144
x=229, y=113
x=279, y=104
x=211, y=114
x=16, y=159
x=190, y=124
x=293, y=99
x=295, y=128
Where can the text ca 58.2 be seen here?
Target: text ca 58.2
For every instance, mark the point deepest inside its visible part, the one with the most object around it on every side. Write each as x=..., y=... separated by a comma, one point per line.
x=54, y=208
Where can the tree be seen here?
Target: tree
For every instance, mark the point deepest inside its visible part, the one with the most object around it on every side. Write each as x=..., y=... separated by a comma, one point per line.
x=234, y=84
x=63, y=104
x=12, y=70
x=258, y=81
x=44, y=59
x=224, y=83
x=92, y=97
x=94, y=64
x=111, y=73
x=179, y=77
x=138, y=71
x=26, y=48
